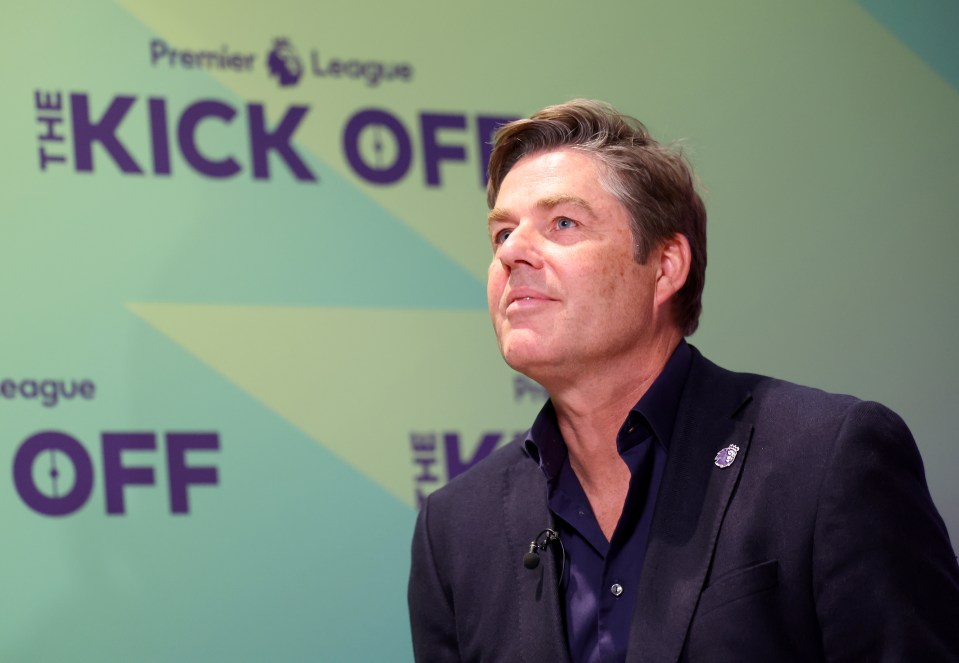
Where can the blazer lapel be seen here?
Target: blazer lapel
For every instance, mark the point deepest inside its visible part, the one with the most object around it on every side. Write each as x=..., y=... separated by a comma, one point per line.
x=541, y=633
x=689, y=511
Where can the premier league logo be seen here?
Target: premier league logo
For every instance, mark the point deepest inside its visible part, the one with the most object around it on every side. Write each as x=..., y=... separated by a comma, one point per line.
x=726, y=456
x=284, y=63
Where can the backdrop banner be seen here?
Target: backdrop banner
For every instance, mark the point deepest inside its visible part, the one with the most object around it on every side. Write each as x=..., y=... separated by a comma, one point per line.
x=244, y=255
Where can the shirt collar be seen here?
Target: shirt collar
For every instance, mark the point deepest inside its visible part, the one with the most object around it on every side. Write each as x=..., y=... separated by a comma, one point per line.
x=656, y=409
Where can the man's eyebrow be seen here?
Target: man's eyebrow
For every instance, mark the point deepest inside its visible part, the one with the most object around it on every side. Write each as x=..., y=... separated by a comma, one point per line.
x=564, y=198
x=497, y=214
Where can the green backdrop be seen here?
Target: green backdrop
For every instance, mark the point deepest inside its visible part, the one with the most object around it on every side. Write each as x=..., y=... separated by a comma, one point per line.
x=257, y=310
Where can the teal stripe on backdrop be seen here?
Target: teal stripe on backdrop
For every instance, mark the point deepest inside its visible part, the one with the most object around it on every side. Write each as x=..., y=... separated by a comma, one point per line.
x=928, y=27
x=285, y=560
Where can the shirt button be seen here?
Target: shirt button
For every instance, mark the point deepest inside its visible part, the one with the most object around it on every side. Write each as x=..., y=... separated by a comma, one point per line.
x=616, y=589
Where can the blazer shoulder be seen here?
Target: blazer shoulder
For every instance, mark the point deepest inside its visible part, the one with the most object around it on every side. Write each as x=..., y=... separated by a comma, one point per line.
x=766, y=397
x=477, y=486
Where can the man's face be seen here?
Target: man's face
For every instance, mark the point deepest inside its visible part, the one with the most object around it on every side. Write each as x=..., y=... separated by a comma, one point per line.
x=565, y=292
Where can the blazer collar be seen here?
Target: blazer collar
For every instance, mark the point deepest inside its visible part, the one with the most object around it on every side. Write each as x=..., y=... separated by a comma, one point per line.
x=689, y=511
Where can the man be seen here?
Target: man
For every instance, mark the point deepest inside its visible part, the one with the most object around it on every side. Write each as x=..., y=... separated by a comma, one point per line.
x=668, y=509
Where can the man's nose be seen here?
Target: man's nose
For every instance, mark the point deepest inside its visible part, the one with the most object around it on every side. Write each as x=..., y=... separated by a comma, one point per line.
x=522, y=247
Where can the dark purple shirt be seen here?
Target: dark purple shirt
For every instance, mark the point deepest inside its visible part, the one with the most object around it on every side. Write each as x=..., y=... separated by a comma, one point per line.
x=602, y=577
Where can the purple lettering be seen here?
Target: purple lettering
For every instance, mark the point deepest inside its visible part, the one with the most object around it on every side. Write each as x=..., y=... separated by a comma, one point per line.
x=455, y=465
x=263, y=141
x=160, y=136
x=486, y=127
x=28, y=389
x=158, y=49
x=68, y=392
x=23, y=473
x=424, y=455
x=433, y=152
x=49, y=101
x=186, y=133
x=377, y=173
x=51, y=134
x=116, y=475
x=46, y=158
x=181, y=475
x=87, y=389
x=423, y=441
x=315, y=63
x=523, y=386
x=51, y=104
x=48, y=393
x=87, y=132
x=425, y=475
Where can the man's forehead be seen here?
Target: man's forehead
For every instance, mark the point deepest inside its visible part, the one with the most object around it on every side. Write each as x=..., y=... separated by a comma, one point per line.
x=559, y=171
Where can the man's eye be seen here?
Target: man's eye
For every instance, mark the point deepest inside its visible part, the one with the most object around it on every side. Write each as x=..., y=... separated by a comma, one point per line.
x=502, y=235
x=563, y=222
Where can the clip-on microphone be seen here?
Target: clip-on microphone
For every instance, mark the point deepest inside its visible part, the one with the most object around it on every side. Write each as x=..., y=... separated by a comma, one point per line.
x=542, y=540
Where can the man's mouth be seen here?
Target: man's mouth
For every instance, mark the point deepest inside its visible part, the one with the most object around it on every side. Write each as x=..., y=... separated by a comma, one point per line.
x=526, y=297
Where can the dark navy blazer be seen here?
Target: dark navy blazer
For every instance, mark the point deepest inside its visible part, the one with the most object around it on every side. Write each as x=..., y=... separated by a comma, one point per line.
x=819, y=542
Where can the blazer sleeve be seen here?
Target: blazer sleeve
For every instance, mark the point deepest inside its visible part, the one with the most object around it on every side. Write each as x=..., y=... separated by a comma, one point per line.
x=432, y=620
x=885, y=576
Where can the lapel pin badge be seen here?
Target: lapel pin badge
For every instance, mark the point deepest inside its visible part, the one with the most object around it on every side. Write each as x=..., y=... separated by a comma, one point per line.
x=726, y=456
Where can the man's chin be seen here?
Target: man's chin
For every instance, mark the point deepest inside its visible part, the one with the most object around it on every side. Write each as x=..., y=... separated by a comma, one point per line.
x=531, y=362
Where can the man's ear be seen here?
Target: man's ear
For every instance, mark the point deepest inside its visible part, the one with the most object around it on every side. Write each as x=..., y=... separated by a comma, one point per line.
x=674, y=259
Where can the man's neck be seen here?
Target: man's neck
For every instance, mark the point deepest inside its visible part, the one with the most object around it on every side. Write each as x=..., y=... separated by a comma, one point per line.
x=592, y=404
x=591, y=408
